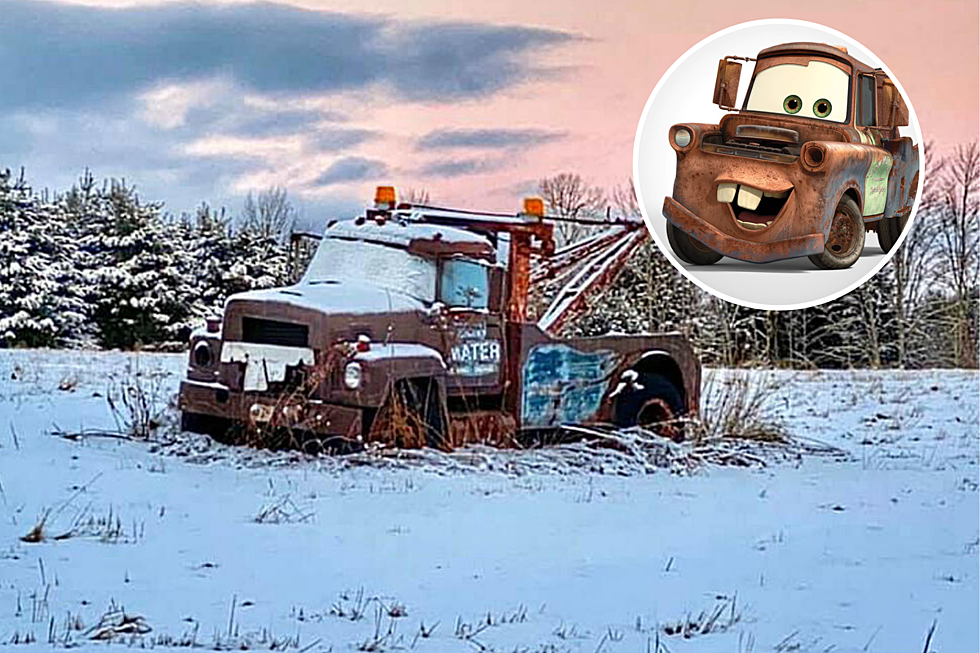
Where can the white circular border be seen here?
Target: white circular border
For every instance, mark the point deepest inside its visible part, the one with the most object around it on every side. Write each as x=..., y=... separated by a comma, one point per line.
x=665, y=249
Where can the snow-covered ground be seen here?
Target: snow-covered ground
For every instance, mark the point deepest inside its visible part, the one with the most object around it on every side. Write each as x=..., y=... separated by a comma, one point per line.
x=817, y=555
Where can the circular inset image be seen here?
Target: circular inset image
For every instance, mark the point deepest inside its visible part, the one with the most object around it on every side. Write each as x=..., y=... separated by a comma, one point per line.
x=777, y=164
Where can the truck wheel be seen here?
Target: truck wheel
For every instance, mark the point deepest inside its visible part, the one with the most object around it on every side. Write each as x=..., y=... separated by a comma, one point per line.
x=218, y=428
x=690, y=250
x=653, y=399
x=846, y=240
x=412, y=416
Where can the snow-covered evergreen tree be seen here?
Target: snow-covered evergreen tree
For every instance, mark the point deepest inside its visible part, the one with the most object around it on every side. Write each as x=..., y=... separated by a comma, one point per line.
x=38, y=306
x=138, y=294
x=258, y=261
x=210, y=256
x=221, y=261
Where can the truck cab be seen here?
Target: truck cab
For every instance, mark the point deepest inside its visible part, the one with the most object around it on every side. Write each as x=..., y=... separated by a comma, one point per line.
x=412, y=326
x=811, y=161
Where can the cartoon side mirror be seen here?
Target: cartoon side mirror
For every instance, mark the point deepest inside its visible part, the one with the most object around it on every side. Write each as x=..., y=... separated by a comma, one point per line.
x=726, y=84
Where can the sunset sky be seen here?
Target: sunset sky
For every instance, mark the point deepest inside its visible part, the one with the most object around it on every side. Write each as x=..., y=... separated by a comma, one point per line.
x=473, y=101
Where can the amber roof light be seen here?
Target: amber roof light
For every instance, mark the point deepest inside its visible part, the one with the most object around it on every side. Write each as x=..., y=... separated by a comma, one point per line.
x=534, y=206
x=384, y=195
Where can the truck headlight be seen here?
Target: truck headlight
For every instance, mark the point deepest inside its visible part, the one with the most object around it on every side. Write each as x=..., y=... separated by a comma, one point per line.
x=352, y=376
x=202, y=355
x=682, y=138
x=813, y=156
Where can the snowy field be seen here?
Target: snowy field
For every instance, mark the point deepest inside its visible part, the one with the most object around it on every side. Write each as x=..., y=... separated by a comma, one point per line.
x=815, y=555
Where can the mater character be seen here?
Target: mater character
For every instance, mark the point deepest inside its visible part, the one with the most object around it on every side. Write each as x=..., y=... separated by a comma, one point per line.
x=811, y=162
x=412, y=327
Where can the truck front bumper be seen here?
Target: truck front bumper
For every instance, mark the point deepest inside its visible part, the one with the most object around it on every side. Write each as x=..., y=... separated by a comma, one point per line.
x=251, y=409
x=743, y=250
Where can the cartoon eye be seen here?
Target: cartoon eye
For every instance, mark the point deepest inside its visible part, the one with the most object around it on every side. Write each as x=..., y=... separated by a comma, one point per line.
x=821, y=108
x=792, y=104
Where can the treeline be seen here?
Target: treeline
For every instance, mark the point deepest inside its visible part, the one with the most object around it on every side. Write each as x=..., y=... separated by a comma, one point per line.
x=97, y=266
x=919, y=311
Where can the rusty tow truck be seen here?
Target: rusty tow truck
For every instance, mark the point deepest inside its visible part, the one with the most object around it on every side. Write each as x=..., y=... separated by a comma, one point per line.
x=422, y=326
x=812, y=161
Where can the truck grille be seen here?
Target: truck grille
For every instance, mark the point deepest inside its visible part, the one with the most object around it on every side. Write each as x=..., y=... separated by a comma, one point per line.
x=753, y=152
x=273, y=332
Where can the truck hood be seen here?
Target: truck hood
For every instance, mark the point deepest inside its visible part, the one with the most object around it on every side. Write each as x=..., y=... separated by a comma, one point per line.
x=346, y=297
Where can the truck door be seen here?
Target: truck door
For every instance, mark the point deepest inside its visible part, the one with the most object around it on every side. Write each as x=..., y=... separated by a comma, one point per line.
x=475, y=341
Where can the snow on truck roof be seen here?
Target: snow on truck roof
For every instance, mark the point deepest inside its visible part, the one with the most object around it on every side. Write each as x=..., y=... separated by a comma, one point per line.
x=423, y=239
x=396, y=232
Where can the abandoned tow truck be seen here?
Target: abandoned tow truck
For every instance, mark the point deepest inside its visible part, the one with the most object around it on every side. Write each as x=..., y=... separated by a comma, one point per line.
x=422, y=326
x=812, y=161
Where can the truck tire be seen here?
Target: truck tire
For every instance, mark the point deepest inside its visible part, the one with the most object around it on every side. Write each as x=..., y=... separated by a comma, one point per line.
x=846, y=240
x=690, y=250
x=653, y=399
x=412, y=416
x=218, y=428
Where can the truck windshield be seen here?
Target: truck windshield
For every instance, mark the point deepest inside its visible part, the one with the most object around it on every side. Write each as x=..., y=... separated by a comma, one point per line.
x=816, y=90
x=465, y=283
x=339, y=260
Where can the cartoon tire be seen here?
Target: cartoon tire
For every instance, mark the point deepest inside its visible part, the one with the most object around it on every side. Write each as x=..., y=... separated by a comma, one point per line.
x=890, y=229
x=690, y=250
x=845, y=243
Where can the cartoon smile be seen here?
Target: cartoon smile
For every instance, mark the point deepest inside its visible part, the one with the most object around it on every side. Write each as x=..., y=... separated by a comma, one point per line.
x=753, y=208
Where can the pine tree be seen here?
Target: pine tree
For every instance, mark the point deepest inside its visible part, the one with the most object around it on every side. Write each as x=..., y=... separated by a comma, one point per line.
x=210, y=257
x=259, y=261
x=37, y=305
x=132, y=266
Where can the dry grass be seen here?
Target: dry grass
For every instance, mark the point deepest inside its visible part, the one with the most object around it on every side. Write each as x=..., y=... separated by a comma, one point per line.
x=739, y=404
x=115, y=623
x=740, y=425
x=138, y=400
x=282, y=510
x=397, y=424
x=39, y=532
x=721, y=617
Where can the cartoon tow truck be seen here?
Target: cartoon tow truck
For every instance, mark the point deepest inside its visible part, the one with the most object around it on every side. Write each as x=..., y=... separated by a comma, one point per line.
x=811, y=162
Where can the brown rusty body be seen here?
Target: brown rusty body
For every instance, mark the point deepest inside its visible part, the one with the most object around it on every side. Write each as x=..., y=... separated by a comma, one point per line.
x=511, y=377
x=816, y=162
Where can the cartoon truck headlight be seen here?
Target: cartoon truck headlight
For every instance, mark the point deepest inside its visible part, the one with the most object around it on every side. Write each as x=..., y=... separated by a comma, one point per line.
x=810, y=163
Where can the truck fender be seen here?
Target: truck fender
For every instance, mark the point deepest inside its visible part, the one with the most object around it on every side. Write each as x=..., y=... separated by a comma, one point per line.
x=847, y=167
x=651, y=382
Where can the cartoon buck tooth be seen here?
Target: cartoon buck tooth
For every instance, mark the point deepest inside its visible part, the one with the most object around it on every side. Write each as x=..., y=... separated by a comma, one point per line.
x=812, y=161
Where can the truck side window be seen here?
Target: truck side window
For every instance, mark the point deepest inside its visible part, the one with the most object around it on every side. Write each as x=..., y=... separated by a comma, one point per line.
x=464, y=283
x=866, y=102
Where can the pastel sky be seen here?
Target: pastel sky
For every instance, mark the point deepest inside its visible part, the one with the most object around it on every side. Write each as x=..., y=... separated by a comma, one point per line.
x=474, y=102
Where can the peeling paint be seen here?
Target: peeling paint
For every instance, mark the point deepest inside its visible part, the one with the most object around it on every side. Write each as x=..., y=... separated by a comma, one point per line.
x=562, y=385
x=264, y=364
